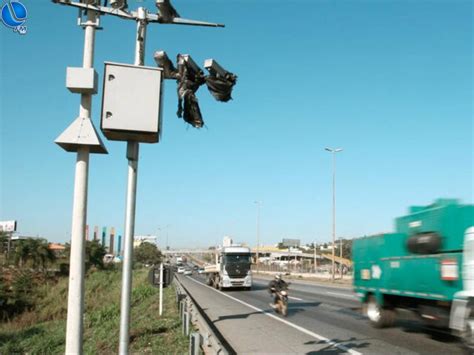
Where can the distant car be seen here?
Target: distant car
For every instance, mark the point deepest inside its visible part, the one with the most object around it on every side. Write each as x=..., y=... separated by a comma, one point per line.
x=195, y=267
x=200, y=270
x=188, y=272
x=181, y=270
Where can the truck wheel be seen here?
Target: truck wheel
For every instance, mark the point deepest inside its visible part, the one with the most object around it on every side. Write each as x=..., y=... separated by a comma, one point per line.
x=468, y=333
x=378, y=316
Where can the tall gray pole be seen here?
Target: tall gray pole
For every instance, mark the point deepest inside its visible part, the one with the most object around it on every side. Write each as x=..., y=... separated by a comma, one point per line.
x=258, y=234
x=132, y=157
x=333, y=151
x=314, y=255
x=75, y=309
x=340, y=255
x=333, y=212
x=289, y=258
x=161, y=290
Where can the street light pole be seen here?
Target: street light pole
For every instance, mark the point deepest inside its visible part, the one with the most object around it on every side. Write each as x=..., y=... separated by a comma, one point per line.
x=258, y=203
x=314, y=255
x=158, y=239
x=340, y=255
x=333, y=151
x=164, y=246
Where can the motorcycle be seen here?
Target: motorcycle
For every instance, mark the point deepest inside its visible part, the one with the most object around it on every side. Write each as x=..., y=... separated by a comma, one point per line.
x=281, y=303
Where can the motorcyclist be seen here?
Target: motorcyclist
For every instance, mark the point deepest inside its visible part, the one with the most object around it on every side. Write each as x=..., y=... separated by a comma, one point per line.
x=275, y=286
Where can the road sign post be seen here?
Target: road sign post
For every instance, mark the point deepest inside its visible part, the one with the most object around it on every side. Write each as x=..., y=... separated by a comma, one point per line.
x=161, y=289
x=132, y=157
x=82, y=138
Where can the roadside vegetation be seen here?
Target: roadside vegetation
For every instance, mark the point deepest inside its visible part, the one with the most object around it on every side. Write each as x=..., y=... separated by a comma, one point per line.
x=33, y=304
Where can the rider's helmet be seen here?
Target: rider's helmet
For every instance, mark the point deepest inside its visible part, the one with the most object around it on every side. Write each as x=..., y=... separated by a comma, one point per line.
x=277, y=277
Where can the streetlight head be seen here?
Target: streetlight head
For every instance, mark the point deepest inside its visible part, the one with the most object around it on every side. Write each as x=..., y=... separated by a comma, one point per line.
x=328, y=149
x=338, y=150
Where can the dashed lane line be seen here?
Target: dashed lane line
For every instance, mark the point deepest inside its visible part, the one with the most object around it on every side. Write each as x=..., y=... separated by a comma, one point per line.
x=295, y=298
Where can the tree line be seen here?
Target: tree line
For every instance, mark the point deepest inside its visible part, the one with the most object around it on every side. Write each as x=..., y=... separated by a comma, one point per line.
x=30, y=263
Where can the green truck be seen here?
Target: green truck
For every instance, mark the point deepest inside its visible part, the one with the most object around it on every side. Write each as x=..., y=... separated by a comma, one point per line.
x=426, y=266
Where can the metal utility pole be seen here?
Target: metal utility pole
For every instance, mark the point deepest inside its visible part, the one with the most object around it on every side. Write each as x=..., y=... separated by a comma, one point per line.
x=333, y=151
x=258, y=203
x=80, y=137
x=132, y=157
x=165, y=246
x=161, y=289
x=314, y=255
x=158, y=238
x=340, y=255
x=9, y=245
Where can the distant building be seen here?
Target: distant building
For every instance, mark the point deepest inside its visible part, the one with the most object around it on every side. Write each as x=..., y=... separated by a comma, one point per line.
x=57, y=248
x=227, y=241
x=140, y=239
x=326, y=248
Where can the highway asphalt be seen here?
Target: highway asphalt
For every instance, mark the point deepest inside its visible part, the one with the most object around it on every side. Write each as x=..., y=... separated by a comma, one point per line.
x=322, y=319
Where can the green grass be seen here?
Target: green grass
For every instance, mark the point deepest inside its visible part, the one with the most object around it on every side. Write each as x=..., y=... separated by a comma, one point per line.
x=42, y=331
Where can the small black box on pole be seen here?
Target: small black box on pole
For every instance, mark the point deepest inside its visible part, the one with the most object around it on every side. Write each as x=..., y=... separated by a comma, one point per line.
x=154, y=276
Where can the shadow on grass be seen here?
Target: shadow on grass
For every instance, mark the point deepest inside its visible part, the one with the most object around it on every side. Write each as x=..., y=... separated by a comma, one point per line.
x=152, y=331
x=142, y=332
x=10, y=341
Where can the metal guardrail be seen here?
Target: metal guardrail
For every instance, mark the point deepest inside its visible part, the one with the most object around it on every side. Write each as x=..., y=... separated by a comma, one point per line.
x=204, y=338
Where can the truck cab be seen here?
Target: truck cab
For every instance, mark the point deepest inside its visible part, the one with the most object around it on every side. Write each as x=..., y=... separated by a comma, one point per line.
x=235, y=265
x=468, y=268
x=462, y=311
x=232, y=268
x=426, y=266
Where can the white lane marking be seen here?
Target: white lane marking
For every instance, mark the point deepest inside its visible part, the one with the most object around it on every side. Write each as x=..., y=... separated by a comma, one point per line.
x=295, y=298
x=341, y=294
x=297, y=327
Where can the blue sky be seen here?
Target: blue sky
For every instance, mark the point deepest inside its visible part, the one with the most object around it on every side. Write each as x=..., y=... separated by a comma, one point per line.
x=389, y=81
